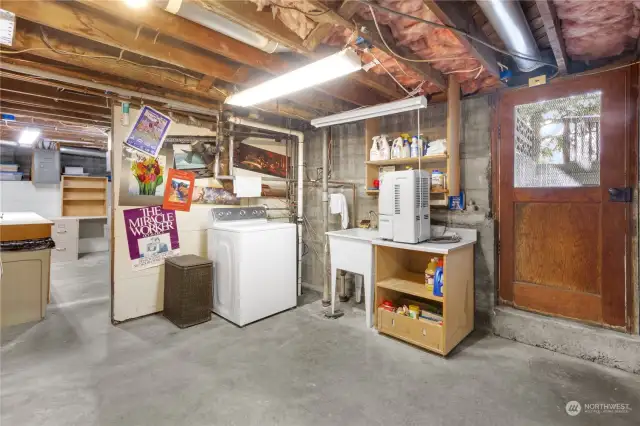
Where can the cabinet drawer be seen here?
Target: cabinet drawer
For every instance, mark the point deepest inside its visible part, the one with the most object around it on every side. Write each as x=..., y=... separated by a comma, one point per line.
x=66, y=250
x=64, y=230
x=419, y=333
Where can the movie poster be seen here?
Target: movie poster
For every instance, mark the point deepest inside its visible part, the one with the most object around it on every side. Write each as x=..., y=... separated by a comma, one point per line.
x=152, y=234
x=143, y=178
x=149, y=131
x=179, y=190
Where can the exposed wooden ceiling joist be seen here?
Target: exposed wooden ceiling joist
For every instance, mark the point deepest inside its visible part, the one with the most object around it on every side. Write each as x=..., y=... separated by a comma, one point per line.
x=212, y=41
x=89, y=25
x=57, y=105
x=451, y=13
x=328, y=16
x=85, y=57
x=245, y=13
x=69, y=117
x=552, y=27
x=9, y=85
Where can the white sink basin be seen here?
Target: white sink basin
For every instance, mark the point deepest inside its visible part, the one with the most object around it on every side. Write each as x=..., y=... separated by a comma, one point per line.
x=356, y=233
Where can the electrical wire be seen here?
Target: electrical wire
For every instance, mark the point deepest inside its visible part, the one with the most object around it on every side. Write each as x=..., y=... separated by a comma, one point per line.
x=454, y=29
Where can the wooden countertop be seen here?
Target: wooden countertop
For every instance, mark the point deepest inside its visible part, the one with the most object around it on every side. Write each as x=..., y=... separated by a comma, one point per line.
x=20, y=226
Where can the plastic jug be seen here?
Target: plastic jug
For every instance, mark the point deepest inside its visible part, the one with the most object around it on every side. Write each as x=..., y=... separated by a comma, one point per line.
x=406, y=150
x=429, y=274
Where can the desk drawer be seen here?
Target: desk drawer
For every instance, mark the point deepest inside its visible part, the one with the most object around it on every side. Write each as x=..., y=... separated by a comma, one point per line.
x=66, y=250
x=417, y=332
x=64, y=230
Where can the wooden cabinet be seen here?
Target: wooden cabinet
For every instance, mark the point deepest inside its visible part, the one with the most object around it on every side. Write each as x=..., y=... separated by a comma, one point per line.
x=400, y=279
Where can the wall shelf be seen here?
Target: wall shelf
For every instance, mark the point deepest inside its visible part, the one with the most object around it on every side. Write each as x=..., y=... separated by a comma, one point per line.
x=84, y=196
x=427, y=159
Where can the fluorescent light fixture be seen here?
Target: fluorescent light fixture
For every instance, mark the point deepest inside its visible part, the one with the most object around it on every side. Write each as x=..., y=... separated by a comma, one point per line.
x=28, y=137
x=329, y=68
x=8, y=143
x=136, y=4
x=394, y=107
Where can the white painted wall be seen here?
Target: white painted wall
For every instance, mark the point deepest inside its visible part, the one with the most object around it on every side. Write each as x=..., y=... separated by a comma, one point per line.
x=141, y=293
x=24, y=196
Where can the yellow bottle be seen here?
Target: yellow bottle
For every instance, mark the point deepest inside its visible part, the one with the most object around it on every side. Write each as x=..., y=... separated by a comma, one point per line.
x=430, y=273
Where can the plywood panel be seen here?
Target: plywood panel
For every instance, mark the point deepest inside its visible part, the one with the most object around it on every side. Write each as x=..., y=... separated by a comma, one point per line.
x=555, y=301
x=557, y=244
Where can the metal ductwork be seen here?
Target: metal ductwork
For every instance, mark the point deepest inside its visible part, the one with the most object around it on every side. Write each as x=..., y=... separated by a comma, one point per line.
x=83, y=152
x=196, y=13
x=509, y=21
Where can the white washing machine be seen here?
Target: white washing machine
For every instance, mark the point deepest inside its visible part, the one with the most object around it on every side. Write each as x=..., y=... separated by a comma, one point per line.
x=255, y=264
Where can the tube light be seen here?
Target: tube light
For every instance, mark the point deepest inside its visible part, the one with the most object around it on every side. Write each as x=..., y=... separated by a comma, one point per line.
x=136, y=4
x=28, y=137
x=394, y=107
x=329, y=68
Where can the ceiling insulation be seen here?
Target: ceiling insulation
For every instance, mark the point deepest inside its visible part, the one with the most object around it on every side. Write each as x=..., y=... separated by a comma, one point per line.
x=426, y=41
x=598, y=29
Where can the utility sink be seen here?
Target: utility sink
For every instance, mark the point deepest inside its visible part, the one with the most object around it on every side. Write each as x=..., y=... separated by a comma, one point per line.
x=356, y=233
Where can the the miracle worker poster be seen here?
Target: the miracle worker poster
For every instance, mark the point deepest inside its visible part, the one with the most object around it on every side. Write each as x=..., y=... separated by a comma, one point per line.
x=152, y=234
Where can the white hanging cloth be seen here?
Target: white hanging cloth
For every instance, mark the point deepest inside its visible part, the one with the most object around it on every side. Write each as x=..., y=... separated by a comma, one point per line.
x=338, y=205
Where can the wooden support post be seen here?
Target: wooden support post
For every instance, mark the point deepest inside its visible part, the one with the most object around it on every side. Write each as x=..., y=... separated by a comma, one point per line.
x=453, y=136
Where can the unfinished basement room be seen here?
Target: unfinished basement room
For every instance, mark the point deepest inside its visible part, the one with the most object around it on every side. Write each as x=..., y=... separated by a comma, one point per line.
x=319, y=212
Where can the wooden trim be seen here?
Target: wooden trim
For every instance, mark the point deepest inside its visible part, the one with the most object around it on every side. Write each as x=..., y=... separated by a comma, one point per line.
x=552, y=26
x=24, y=232
x=572, y=195
x=454, y=112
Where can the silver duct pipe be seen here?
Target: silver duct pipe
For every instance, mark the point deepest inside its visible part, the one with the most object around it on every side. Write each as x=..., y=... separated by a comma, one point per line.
x=83, y=152
x=326, y=288
x=300, y=177
x=196, y=13
x=509, y=21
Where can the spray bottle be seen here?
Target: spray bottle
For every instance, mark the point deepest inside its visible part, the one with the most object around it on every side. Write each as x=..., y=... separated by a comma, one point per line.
x=374, y=154
x=385, y=150
x=414, y=147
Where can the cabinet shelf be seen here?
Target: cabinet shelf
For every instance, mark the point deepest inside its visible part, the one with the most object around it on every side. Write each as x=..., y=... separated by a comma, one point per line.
x=409, y=283
x=84, y=196
x=410, y=161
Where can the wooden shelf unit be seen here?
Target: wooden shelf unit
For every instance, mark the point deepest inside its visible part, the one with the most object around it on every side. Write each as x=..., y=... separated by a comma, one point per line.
x=400, y=279
x=448, y=163
x=84, y=196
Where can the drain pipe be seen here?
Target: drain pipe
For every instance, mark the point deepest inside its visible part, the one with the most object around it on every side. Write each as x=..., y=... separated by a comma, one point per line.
x=300, y=189
x=326, y=288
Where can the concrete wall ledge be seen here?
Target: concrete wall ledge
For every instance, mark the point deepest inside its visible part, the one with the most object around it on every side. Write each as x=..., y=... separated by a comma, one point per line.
x=606, y=347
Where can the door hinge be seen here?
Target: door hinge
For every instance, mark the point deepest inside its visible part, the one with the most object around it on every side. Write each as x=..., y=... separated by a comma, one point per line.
x=498, y=247
x=620, y=195
x=499, y=131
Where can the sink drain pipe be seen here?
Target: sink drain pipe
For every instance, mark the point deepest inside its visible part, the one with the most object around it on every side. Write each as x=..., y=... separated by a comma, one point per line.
x=300, y=177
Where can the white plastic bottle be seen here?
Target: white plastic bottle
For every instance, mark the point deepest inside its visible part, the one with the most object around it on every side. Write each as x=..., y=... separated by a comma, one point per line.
x=414, y=147
x=374, y=153
x=385, y=150
x=396, y=150
x=406, y=150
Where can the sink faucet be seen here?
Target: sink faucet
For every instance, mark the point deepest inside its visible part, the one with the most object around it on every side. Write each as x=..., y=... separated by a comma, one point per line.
x=371, y=214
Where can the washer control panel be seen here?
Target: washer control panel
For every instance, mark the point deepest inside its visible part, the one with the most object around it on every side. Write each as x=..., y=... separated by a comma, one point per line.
x=220, y=214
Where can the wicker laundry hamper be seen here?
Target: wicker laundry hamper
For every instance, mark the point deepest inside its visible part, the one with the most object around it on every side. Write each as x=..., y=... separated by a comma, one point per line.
x=188, y=288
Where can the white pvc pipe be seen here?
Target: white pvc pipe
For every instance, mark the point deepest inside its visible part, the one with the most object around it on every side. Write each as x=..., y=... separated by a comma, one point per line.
x=300, y=183
x=182, y=106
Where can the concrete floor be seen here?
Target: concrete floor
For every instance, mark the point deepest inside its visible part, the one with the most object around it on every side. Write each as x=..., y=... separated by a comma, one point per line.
x=297, y=368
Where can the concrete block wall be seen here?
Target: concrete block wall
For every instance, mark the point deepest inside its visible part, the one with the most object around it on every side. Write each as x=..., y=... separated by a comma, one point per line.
x=348, y=156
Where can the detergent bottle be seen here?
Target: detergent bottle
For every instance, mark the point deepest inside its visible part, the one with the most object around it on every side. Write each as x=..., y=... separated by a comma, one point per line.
x=429, y=274
x=374, y=153
x=385, y=150
x=406, y=150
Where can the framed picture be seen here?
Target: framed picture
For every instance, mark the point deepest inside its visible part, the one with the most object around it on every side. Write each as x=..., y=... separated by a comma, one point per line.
x=148, y=132
x=179, y=190
x=143, y=178
x=260, y=160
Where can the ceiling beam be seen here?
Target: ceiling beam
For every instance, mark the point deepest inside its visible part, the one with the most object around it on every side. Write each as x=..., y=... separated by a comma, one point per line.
x=68, y=117
x=86, y=24
x=218, y=43
x=18, y=87
x=84, y=57
x=552, y=26
x=54, y=104
x=456, y=14
x=330, y=17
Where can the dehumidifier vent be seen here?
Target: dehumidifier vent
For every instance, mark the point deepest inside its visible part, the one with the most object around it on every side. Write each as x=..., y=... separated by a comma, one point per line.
x=396, y=198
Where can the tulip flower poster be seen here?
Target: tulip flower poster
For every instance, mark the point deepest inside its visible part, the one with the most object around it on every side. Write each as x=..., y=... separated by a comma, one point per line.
x=152, y=234
x=179, y=190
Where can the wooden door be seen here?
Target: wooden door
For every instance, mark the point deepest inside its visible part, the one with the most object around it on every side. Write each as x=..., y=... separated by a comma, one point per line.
x=564, y=246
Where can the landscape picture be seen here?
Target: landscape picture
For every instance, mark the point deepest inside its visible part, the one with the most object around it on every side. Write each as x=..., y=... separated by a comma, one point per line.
x=260, y=160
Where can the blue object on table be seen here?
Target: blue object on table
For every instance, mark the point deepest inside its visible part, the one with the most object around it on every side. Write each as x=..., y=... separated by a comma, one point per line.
x=437, y=282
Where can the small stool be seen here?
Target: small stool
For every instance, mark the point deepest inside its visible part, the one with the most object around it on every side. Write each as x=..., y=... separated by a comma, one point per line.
x=188, y=290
